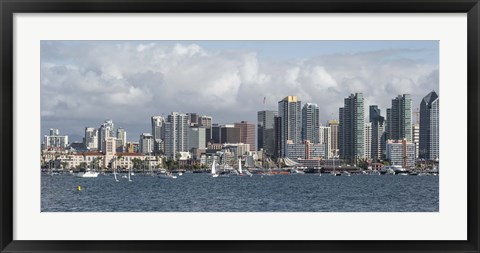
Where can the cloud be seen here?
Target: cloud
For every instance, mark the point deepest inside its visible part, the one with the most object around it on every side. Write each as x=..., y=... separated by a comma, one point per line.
x=84, y=83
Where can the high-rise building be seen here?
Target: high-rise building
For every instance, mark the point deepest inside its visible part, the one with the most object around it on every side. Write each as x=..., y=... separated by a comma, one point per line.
x=122, y=139
x=196, y=138
x=378, y=133
x=158, y=132
x=206, y=121
x=401, y=118
x=368, y=140
x=146, y=143
x=325, y=138
x=55, y=141
x=429, y=127
x=229, y=134
x=289, y=110
x=91, y=138
x=266, y=132
x=106, y=130
x=176, y=134
x=333, y=124
x=193, y=118
x=215, y=136
x=351, y=128
x=416, y=138
x=278, y=136
x=310, y=122
x=247, y=133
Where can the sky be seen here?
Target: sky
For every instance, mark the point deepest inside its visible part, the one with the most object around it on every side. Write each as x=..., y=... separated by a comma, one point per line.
x=84, y=83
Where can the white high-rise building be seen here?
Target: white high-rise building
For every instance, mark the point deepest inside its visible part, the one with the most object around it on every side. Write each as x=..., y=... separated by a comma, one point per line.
x=176, y=134
x=325, y=137
x=158, y=132
x=55, y=141
x=146, y=143
x=122, y=138
x=91, y=138
x=106, y=130
x=429, y=127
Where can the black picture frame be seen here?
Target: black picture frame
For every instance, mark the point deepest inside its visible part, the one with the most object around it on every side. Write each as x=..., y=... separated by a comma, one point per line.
x=9, y=7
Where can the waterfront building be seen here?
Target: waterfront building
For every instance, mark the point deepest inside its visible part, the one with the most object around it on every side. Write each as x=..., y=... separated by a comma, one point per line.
x=305, y=150
x=368, y=140
x=401, y=118
x=158, y=132
x=325, y=136
x=229, y=134
x=146, y=143
x=196, y=138
x=333, y=124
x=91, y=138
x=109, y=150
x=176, y=134
x=351, y=128
x=55, y=141
x=266, y=132
x=429, y=127
x=247, y=133
x=121, y=139
x=289, y=110
x=401, y=152
x=310, y=123
x=105, y=131
x=238, y=149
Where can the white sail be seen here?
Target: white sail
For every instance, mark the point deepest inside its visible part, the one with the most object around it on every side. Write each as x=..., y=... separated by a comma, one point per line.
x=213, y=168
x=240, y=166
x=129, y=180
x=115, y=174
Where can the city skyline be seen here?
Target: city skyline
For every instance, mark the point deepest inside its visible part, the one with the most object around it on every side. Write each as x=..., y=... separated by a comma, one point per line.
x=85, y=83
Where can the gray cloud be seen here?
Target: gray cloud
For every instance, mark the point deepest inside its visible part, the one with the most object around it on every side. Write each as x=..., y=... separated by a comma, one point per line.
x=84, y=83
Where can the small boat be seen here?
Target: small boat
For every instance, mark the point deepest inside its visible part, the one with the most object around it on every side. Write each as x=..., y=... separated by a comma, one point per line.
x=167, y=175
x=214, y=171
x=88, y=173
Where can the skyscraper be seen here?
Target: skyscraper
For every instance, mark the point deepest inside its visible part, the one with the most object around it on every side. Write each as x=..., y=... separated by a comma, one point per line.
x=368, y=140
x=206, y=121
x=429, y=127
x=176, y=134
x=229, y=134
x=122, y=136
x=106, y=130
x=291, y=118
x=158, y=132
x=91, y=138
x=325, y=138
x=351, y=127
x=266, y=131
x=310, y=123
x=378, y=133
x=333, y=124
x=401, y=118
x=247, y=133
x=146, y=143
x=416, y=138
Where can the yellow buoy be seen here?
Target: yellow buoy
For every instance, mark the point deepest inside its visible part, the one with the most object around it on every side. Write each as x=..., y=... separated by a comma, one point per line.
x=79, y=188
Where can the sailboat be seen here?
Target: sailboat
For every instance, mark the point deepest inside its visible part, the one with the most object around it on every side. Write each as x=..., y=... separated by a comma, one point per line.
x=334, y=173
x=214, y=172
x=129, y=179
x=115, y=174
x=240, y=173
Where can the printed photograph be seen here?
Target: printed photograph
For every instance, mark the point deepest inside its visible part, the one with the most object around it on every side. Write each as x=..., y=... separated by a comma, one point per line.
x=239, y=126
